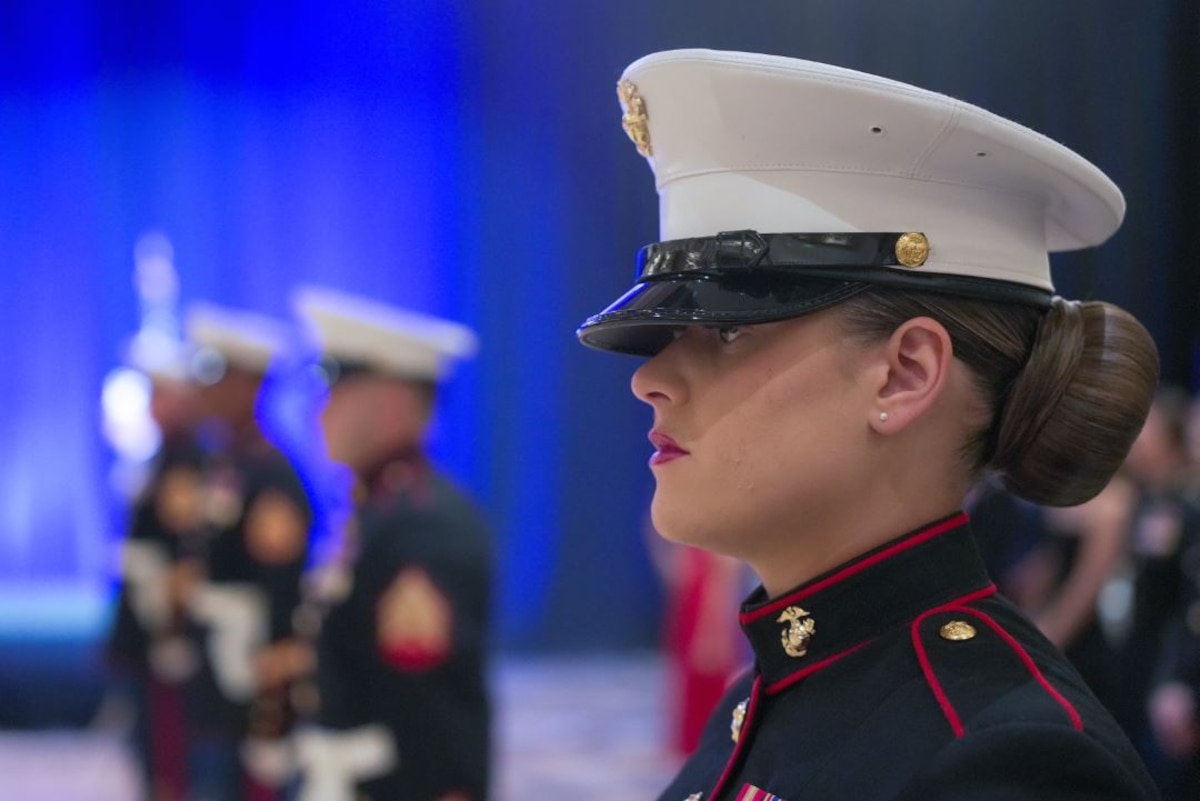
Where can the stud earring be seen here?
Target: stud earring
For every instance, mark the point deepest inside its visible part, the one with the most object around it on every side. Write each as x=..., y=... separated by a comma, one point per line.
x=883, y=416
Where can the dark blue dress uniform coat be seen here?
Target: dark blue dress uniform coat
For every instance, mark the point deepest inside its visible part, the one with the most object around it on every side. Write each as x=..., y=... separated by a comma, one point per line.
x=902, y=675
x=252, y=476
x=406, y=648
x=181, y=461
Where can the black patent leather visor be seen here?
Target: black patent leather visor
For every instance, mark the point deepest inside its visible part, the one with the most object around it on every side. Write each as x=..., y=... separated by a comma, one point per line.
x=744, y=278
x=643, y=321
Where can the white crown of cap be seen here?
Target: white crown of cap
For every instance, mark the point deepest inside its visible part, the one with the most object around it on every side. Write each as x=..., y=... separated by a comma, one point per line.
x=245, y=339
x=779, y=145
x=389, y=339
x=159, y=355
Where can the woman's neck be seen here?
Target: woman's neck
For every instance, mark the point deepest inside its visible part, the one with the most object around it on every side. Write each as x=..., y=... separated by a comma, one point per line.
x=790, y=560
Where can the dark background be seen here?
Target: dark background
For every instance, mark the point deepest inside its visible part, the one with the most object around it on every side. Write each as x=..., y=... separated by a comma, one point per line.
x=466, y=159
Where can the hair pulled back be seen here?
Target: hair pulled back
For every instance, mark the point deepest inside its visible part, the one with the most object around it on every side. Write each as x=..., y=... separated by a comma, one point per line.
x=1068, y=388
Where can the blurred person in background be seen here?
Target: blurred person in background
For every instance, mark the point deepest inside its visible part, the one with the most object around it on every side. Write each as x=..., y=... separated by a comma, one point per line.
x=1156, y=642
x=1112, y=584
x=399, y=697
x=1062, y=583
x=1191, y=436
x=149, y=649
x=259, y=516
x=1009, y=530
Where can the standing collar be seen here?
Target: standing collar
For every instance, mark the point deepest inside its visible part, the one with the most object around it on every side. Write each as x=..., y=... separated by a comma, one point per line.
x=845, y=609
x=404, y=470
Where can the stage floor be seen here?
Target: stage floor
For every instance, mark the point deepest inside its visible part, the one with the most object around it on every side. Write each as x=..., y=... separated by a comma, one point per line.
x=587, y=729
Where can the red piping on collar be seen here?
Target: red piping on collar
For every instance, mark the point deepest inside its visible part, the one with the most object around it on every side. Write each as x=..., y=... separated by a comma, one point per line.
x=850, y=570
x=804, y=672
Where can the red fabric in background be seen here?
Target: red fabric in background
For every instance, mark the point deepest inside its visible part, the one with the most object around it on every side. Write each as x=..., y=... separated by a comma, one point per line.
x=698, y=685
x=168, y=743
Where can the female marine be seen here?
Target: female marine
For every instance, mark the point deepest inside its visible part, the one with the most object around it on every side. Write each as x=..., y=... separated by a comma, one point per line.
x=848, y=320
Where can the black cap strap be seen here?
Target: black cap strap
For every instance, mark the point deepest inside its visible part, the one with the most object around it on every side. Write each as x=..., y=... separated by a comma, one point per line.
x=741, y=250
x=867, y=257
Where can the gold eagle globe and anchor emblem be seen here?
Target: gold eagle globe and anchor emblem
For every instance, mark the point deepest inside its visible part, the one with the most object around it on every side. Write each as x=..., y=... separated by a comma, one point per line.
x=800, y=631
x=634, y=120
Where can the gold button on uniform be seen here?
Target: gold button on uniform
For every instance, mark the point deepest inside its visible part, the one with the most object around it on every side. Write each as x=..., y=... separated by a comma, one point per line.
x=957, y=631
x=739, y=717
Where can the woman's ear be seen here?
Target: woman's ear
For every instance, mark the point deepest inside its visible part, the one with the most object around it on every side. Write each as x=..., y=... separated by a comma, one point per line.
x=918, y=356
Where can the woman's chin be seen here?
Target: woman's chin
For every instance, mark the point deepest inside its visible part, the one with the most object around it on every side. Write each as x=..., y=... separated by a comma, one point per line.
x=689, y=527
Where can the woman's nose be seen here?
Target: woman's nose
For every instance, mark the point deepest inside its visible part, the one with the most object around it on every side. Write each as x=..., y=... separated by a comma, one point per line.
x=657, y=381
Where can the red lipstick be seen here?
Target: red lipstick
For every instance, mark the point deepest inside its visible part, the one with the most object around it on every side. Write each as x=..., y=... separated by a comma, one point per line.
x=666, y=449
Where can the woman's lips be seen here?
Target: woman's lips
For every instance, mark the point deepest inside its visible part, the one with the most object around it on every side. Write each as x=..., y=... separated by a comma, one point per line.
x=666, y=449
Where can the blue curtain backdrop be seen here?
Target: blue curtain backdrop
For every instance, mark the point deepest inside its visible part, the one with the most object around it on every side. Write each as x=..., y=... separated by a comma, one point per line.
x=466, y=159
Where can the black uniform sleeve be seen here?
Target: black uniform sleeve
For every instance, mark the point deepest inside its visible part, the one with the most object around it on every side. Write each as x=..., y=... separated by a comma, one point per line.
x=430, y=577
x=412, y=644
x=1022, y=762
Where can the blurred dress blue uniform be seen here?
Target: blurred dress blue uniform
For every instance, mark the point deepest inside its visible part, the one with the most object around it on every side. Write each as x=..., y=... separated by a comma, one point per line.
x=149, y=651
x=259, y=518
x=400, y=703
x=149, y=641
x=1153, y=616
x=1174, y=705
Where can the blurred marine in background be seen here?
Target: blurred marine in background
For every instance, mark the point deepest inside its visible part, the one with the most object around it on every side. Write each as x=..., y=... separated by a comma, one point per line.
x=150, y=655
x=400, y=621
x=242, y=606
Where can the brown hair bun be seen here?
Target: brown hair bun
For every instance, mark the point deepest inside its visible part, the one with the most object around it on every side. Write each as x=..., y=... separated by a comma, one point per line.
x=1076, y=407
